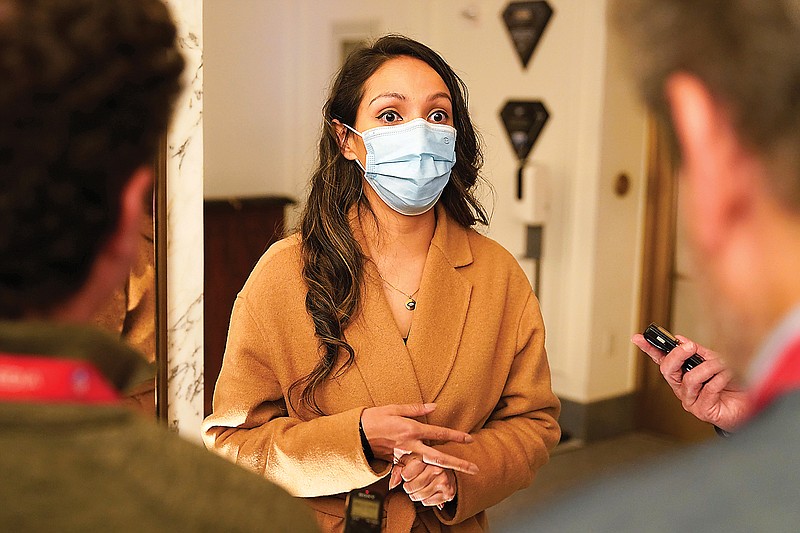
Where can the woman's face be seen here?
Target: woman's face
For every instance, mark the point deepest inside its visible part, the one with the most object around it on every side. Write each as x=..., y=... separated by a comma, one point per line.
x=401, y=90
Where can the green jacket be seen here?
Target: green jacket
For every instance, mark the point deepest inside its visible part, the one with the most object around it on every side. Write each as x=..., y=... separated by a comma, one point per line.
x=79, y=467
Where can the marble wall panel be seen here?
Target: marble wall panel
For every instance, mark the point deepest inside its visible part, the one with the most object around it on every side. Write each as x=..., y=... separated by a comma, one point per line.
x=185, y=231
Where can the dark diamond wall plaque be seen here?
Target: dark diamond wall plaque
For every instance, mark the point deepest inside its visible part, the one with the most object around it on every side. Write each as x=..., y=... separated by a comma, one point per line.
x=524, y=120
x=526, y=22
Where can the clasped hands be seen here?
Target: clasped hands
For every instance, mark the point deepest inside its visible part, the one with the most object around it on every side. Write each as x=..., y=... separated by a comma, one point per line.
x=427, y=474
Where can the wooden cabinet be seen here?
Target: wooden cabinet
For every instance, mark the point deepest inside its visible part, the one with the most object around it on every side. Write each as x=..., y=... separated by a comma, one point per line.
x=237, y=232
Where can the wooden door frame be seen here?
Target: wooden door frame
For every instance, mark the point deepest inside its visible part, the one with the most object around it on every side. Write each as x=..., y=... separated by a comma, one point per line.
x=658, y=409
x=660, y=231
x=160, y=233
x=659, y=246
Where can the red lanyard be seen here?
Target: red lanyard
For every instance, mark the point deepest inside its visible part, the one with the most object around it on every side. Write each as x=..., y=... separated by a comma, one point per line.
x=784, y=377
x=46, y=380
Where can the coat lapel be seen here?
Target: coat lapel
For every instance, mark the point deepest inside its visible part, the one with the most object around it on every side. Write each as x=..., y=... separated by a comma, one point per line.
x=393, y=372
x=442, y=307
x=381, y=356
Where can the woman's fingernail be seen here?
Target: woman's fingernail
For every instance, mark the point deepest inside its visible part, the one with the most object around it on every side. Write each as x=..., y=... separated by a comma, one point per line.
x=430, y=406
x=468, y=438
x=394, y=479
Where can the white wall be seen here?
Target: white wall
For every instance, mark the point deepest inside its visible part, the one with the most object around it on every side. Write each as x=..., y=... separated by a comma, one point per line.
x=268, y=64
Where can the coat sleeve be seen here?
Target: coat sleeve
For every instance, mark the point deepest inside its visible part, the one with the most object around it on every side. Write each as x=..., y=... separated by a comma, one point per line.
x=516, y=439
x=250, y=423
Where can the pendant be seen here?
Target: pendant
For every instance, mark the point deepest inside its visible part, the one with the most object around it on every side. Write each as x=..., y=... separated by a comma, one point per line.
x=411, y=304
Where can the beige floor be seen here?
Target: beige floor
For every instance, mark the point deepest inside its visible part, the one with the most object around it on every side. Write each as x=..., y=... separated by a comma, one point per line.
x=573, y=463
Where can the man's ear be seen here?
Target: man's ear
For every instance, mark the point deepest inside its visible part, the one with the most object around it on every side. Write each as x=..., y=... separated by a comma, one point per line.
x=133, y=197
x=344, y=139
x=711, y=182
x=112, y=265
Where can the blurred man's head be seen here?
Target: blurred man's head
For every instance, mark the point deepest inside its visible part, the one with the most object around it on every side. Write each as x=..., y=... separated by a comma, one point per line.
x=87, y=88
x=747, y=55
x=725, y=74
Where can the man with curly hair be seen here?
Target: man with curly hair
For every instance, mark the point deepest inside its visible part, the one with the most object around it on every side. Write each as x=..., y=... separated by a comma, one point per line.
x=86, y=89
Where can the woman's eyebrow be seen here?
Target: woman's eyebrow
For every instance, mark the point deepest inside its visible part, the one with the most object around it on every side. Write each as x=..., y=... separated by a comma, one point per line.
x=436, y=96
x=397, y=96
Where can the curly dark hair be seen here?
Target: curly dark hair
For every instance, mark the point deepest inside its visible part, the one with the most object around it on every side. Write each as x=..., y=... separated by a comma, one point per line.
x=333, y=262
x=87, y=88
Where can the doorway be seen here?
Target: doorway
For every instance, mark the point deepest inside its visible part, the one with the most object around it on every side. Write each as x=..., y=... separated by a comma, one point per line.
x=669, y=294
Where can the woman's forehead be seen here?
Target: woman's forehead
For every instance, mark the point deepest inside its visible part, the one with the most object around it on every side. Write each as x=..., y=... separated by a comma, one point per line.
x=403, y=78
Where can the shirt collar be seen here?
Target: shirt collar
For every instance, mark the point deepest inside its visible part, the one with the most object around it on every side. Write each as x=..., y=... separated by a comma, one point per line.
x=776, y=343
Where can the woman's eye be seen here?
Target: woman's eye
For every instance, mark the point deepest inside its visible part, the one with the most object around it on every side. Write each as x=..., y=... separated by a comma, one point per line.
x=438, y=116
x=389, y=117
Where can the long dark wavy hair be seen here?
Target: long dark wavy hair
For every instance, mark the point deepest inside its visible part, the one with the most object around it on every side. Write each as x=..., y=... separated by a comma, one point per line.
x=333, y=261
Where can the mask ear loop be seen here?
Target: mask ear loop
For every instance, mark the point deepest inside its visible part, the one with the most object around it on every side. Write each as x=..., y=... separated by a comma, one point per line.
x=358, y=162
x=360, y=166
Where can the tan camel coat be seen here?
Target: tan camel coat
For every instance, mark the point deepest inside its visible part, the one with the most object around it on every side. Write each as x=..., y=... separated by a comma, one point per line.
x=476, y=348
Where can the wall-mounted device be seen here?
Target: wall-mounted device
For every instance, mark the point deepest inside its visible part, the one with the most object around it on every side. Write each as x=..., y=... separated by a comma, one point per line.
x=532, y=207
x=524, y=121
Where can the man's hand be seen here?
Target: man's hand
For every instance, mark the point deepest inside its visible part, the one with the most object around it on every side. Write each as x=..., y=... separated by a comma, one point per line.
x=708, y=391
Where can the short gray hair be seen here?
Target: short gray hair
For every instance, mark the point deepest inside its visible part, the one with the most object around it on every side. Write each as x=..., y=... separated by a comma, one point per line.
x=746, y=52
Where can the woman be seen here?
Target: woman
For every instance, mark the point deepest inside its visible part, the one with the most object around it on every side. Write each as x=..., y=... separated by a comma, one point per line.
x=388, y=344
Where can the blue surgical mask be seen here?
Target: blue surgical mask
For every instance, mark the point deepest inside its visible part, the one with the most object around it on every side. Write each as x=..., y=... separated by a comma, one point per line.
x=409, y=165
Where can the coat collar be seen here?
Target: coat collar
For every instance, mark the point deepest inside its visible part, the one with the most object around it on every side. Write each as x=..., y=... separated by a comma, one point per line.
x=119, y=363
x=451, y=239
x=392, y=371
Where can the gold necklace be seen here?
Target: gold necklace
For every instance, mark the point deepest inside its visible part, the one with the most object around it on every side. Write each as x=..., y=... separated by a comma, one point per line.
x=411, y=303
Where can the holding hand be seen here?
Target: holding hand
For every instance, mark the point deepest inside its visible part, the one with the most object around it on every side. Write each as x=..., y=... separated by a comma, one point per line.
x=708, y=391
x=392, y=433
x=431, y=485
